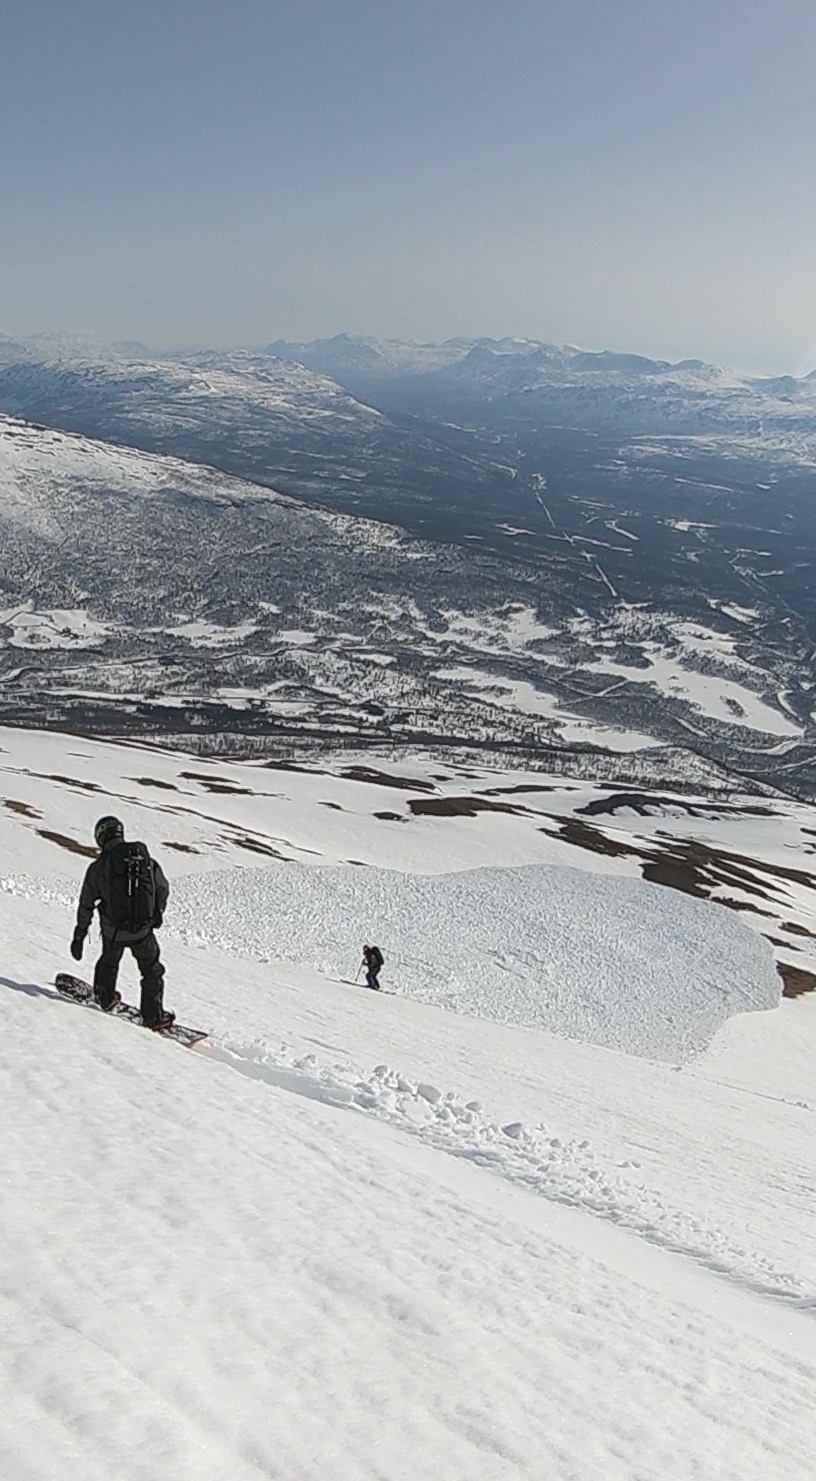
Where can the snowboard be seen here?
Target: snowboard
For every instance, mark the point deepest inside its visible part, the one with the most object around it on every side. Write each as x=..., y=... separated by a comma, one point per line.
x=80, y=991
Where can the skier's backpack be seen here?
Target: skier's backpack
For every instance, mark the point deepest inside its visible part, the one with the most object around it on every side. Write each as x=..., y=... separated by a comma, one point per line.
x=377, y=957
x=131, y=886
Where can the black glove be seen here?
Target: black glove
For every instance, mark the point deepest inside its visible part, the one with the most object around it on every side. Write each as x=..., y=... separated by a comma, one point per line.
x=77, y=944
x=157, y=920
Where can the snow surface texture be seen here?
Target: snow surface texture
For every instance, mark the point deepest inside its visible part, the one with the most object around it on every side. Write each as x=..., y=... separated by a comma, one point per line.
x=404, y=813
x=358, y=1237
x=584, y=956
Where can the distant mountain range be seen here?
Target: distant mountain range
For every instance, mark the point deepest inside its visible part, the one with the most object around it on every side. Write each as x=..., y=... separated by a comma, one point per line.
x=601, y=561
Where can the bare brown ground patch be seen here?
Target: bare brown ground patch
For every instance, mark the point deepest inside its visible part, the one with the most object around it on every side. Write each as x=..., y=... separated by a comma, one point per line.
x=744, y=905
x=150, y=781
x=689, y=865
x=255, y=846
x=459, y=807
x=389, y=817
x=21, y=807
x=69, y=781
x=797, y=930
x=285, y=765
x=68, y=843
x=384, y=779
x=182, y=848
x=586, y=836
x=218, y=784
x=697, y=868
x=678, y=874
x=522, y=787
x=203, y=776
x=796, y=981
x=647, y=803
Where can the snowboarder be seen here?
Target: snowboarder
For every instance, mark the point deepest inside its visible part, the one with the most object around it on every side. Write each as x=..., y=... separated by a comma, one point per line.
x=372, y=961
x=130, y=890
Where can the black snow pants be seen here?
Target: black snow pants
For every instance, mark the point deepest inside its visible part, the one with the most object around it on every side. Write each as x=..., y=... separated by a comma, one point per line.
x=151, y=971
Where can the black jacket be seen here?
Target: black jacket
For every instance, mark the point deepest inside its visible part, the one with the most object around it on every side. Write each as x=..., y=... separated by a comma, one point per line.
x=93, y=894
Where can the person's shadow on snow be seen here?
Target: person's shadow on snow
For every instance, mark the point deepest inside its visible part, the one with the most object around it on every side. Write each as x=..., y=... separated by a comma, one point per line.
x=31, y=989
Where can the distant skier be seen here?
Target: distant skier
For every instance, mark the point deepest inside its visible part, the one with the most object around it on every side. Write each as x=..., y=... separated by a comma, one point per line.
x=131, y=892
x=373, y=960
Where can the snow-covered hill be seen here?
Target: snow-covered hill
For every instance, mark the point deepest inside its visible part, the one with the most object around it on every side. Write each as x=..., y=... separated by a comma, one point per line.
x=362, y=1235
x=632, y=394
x=217, y=605
x=416, y=816
x=170, y=596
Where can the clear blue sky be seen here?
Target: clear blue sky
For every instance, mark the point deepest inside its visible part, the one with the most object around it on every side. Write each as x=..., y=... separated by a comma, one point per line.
x=632, y=174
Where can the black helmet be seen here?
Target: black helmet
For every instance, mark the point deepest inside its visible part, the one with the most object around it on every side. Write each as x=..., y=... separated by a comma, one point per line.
x=106, y=830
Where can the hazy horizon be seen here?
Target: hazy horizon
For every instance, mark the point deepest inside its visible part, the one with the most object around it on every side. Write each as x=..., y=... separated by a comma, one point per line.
x=757, y=367
x=631, y=177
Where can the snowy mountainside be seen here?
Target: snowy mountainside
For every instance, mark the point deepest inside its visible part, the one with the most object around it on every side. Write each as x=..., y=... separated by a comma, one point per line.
x=261, y=418
x=227, y=608
x=168, y=595
x=687, y=488
x=355, y=1228
x=409, y=813
x=632, y=393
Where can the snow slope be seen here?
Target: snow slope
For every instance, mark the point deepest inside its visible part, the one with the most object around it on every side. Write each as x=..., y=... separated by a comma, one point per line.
x=362, y=1236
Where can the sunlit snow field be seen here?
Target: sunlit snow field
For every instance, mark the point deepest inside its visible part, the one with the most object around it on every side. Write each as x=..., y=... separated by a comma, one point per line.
x=449, y=1231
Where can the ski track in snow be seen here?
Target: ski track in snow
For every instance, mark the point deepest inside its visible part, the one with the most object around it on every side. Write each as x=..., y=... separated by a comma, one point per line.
x=255, y=911
x=566, y=1172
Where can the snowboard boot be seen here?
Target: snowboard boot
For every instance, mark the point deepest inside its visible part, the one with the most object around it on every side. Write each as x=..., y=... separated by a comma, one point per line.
x=109, y=1002
x=164, y=1020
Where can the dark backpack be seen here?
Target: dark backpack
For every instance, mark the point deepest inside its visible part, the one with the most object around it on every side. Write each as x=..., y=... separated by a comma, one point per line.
x=131, y=886
x=377, y=957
